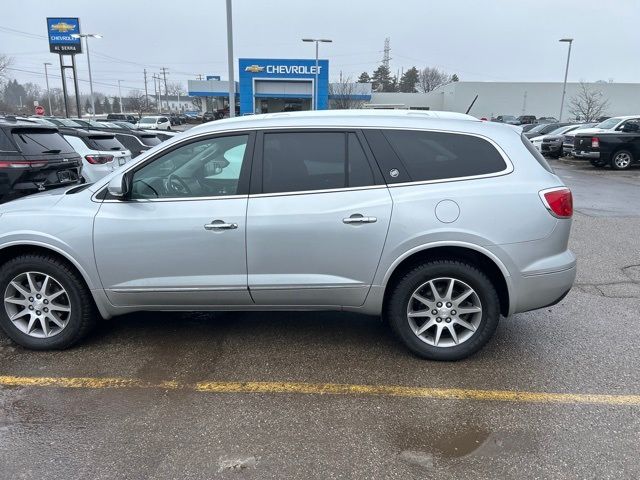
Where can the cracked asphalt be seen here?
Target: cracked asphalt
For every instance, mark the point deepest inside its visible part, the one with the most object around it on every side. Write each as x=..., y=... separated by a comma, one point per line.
x=585, y=345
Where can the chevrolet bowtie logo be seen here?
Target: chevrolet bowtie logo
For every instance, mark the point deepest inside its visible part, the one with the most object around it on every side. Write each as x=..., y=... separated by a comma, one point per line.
x=62, y=27
x=254, y=68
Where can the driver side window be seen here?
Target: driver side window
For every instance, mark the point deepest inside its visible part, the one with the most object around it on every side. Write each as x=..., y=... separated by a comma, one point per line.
x=206, y=168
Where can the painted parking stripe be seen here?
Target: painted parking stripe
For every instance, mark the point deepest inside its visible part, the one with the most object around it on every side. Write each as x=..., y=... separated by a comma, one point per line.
x=325, y=389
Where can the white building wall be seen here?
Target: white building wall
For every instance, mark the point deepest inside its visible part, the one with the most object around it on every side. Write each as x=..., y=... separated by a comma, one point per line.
x=514, y=98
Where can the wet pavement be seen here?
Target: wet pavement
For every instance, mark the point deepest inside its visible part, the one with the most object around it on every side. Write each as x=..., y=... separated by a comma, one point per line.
x=586, y=344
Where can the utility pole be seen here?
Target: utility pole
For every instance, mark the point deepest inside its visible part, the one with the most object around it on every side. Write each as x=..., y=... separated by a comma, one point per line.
x=232, y=83
x=157, y=91
x=166, y=93
x=146, y=93
x=46, y=77
x=199, y=76
x=120, y=95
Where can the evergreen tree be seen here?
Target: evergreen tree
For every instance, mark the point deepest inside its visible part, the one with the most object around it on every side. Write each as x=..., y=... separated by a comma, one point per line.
x=115, y=105
x=87, y=106
x=14, y=93
x=106, y=106
x=454, y=78
x=409, y=80
x=382, y=81
x=98, y=105
x=364, y=78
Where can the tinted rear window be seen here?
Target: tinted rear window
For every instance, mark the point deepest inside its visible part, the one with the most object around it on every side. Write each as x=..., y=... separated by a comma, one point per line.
x=536, y=154
x=439, y=155
x=106, y=143
x=5, y=143
x=33, y=142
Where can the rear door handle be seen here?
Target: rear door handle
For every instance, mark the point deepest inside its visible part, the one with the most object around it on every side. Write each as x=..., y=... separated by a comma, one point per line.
x=358, y=218
x=220, y=225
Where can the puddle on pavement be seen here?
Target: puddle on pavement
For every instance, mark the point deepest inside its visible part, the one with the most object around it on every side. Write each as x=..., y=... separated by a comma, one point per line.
x=429, y=446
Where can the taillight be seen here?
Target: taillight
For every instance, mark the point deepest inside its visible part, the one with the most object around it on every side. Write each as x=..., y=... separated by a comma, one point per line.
x=98, y=159
x=558, y=201
x=595, y=142
x=31, y=164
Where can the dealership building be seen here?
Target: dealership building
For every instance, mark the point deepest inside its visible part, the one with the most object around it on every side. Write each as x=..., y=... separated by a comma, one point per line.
x=276, y=85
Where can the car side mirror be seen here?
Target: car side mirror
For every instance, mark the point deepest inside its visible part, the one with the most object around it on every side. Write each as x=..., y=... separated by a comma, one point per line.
x=119, y=186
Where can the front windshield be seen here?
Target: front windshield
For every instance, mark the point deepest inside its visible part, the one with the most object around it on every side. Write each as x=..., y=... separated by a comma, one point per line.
x=609, y=123
x=68, y=123
x=537, y=129
x=561, y=130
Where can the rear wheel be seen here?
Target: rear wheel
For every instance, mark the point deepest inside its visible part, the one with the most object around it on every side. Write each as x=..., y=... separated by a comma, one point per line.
x=46, y=305
x=621, y=160
x=444, y=310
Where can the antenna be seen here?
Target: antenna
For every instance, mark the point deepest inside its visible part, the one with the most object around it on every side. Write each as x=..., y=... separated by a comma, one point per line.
x=387, y=51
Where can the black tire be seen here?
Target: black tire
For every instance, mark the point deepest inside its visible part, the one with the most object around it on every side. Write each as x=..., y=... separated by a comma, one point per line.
x=615, y=156
x=396, y=308
x=83, y=315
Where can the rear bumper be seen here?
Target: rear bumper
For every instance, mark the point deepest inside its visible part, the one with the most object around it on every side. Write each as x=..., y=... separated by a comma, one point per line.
x=586, y=155
x=545, y=289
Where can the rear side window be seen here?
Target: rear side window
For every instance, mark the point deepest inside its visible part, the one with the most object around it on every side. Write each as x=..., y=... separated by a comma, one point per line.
x=5, y=143
x=150, y=140
x=536, y=154
x=303, y=161
x=105, y=143
x=35, y=142
x=440, y=155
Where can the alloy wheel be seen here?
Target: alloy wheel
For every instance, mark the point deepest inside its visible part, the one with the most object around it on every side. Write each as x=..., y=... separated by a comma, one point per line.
x=37, y=304
x=444, y=312
x=622, y=160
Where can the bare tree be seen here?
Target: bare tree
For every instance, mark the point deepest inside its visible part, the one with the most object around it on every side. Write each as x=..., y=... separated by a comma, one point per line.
x=176, y=88
x=5, y=62
x=344, y=94
x=197, y=103
x=135, y=101
x=430, y=78
x=588, y=104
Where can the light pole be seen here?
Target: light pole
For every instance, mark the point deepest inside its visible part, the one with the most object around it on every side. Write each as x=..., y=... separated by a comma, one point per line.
x=566, y=72
x=120, y=95
x=232, y=84
x=46, y=78
x=315, y=83
x=86, y=37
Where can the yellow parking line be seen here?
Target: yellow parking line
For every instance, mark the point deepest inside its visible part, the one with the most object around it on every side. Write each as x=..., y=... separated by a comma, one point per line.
x=326, y=389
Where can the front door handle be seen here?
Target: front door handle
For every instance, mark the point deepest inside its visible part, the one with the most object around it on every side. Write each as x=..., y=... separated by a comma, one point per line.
x=220, y=225
x=358, y=218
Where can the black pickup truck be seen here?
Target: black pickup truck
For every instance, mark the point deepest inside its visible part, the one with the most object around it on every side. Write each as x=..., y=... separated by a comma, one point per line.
x=620, y=149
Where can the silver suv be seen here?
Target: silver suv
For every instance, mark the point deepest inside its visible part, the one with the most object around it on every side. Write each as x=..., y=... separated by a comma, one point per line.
x=437, y=221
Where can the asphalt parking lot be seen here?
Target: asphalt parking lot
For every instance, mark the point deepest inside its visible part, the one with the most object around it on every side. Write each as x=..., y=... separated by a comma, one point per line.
x=556, y=394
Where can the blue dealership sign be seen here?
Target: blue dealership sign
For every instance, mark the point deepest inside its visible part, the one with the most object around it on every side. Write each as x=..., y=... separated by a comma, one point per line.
x=282, y=78
x=60, y=31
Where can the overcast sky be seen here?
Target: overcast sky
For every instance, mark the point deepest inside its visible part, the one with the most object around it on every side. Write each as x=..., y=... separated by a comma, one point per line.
x=487, y=40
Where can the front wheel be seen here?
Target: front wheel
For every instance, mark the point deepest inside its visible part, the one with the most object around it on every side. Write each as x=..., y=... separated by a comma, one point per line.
x=621, y=160
x=46, y=303
x=444, y=310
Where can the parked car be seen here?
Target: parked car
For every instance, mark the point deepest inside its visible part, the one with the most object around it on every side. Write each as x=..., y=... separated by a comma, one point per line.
x=618, y=149
x=528, y=126
x=136, y=141
x=613, y=124
x=125, y=117
x=101, y=152
x=552, y=143
x=543, y=129
x=183, y=118
x=526, y=119
x=547, y=120
x=510, y=119
x=64, y=122
x=160, y=122
x=294, y=212
x=34, y=158
x=208, y=117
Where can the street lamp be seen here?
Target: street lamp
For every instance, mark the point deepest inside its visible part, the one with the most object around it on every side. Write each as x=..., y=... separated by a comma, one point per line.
x=86, y=43
x=566, y=72
x=315, y=85
x=46, y=78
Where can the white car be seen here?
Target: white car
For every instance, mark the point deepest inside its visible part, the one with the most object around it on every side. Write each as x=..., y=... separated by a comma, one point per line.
x=101, y=153
x=158, y=122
